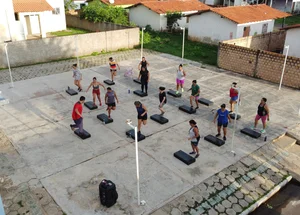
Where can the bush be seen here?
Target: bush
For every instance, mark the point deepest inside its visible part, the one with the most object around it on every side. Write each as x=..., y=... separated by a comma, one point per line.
x=172, y=18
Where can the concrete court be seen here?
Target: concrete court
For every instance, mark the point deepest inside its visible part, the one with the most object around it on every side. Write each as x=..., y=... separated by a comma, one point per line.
x=38, y=117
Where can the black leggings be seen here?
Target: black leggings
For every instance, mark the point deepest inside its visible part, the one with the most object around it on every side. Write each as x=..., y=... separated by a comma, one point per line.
x=144, y=85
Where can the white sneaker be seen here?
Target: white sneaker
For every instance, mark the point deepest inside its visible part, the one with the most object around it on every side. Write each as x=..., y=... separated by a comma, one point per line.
x=182, y=90
x=263, y=131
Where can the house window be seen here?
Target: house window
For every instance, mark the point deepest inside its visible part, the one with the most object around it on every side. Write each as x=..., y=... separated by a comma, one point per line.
x=265, y=28
x=56, y=11
x=17, y=17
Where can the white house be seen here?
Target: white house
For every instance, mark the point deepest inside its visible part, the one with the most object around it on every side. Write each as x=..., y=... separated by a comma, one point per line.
x=20, y=18
x=80, y=4
x=153, y=13
x=225, y=23
x=293, y=40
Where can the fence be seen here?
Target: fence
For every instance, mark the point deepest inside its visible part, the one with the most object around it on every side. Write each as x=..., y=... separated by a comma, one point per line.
x=43, y=50
x=260, y=64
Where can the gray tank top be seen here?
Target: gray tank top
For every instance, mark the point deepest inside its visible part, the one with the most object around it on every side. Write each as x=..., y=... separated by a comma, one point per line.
x=110, y=97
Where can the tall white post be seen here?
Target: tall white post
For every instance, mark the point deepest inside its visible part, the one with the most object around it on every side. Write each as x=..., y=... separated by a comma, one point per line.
x=137, y=164
x=77, y=51
x=235, y=119
x=7, y=58
x=286, y=55
x=142, y=43
x=182, y=54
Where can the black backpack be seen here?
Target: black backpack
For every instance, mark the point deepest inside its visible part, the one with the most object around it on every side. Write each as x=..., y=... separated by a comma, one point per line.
x=108, y=193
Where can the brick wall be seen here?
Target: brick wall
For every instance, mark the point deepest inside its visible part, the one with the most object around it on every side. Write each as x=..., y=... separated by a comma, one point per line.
x=260, y=64
x=273, y=41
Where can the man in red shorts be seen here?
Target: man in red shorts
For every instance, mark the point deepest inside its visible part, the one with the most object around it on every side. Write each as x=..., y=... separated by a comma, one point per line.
x=77, y=115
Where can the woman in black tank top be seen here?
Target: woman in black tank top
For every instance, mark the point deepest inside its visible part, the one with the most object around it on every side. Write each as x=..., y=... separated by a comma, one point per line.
x=143, y=63
x=263, y=113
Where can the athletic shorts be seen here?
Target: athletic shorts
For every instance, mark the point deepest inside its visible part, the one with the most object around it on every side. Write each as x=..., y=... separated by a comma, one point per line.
x=196, y=97
x=263, y=118
x=178, y=81
x=111, y=104
x=195, y=143
x=235, y=98
x=142, y=117
x=77, y=78
x=113, y=70
x=220, y=124
x=97, y=92
x=163, y=104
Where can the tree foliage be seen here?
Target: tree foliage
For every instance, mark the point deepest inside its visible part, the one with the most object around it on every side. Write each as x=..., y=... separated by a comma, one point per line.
x=99, y=12
x=69, y=5
x=172, y=18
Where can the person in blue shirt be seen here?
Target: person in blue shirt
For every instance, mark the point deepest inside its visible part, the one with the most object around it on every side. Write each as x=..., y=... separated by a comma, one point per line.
x=223, y=118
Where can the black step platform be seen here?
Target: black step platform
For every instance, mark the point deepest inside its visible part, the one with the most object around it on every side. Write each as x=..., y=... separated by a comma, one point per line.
x=184, y=157
x=130, y=133
x=173, y=93
x=187, y=109
x=90, y=105
x=109, y=82
x=214, y=140
x=158, y=118
x=85, y=134
x=71, y=92
x=251, y=133
x=136, y=80
x=140, y=93
x=104, y=118
x=232, y=116
x=205, y=102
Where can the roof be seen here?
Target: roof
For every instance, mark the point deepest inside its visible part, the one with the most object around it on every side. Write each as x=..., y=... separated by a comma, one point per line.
x=31, y=6
x=162, y=7
x=125, y=2
x=291, y=26
x=248, y=13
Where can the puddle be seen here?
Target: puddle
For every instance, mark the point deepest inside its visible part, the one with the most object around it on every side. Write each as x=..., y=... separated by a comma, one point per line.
x=285, y=202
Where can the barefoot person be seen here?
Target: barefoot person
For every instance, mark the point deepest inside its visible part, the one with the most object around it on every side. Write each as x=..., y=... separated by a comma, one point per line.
x=162, y=100
x=113, y=68
x=194, y=138
x=143, y=63
x=144, y=77
x=96, y=90
x=223, y=118
x=142, y=115
x=77, y=76
x=234, y=94
x=195, y=94
x=110, y=100
x=263, y=113
x=180, y=79
x=77, y=116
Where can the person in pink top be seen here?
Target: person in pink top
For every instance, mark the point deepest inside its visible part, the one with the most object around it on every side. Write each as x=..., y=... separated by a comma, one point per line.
x=234, y=95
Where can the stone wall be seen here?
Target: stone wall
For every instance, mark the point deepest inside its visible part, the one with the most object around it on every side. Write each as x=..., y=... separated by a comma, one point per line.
x=260, y=64
x=76, y=22
x=273, y=41
x=44, y=50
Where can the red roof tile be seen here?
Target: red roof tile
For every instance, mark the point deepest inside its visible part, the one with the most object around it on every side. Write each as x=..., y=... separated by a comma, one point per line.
x=31, y=6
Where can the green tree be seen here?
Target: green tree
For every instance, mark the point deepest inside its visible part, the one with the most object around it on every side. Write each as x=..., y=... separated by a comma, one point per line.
x=69, y=5
x=99, y=12
x=172, y=18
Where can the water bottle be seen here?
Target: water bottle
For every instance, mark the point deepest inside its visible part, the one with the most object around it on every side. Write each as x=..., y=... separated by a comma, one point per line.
x=128, y=91
x=265, y=138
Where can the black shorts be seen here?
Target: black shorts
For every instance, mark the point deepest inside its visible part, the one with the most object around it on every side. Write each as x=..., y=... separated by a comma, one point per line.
x=143, y=117
x=196, y=143
x=220, y=124
x=111, y=104
x=113, y=70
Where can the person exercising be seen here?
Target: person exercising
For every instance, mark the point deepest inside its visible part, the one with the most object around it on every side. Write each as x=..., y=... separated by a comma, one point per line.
x=223, y=117
x=144, y=76
x=194, y=138
x=162, y=100
x=195, y=94
x=96, y=90
x=180, y=79
x=263, y=113
x=234, y=95
x=77, y=77
x=77, y=116
x=143, y=63
x=110, y=98
x=113, y=68
x=142, y=115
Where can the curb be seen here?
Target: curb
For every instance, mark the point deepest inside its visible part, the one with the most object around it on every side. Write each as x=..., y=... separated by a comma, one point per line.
x=266, y=197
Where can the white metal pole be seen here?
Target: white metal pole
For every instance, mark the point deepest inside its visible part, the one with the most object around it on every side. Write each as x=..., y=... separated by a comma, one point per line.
x=142, y=44
x=137, y=163
x=286, y=55
x=7, y=58
x=235, y=119
x=77, y=51
x=182, y=54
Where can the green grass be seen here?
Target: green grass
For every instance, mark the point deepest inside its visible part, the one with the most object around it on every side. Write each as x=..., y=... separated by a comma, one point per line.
x=172, y=44
x=70, y=31
x=291, y=20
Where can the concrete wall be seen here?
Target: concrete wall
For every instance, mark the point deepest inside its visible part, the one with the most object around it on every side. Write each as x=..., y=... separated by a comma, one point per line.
x=259, y=64
x=293, y=40
x=7, y=21
x=44, y=50
x=76, y=22
x=142, y=16
x=273, y=41
x=210, y=28
x=255, y=28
